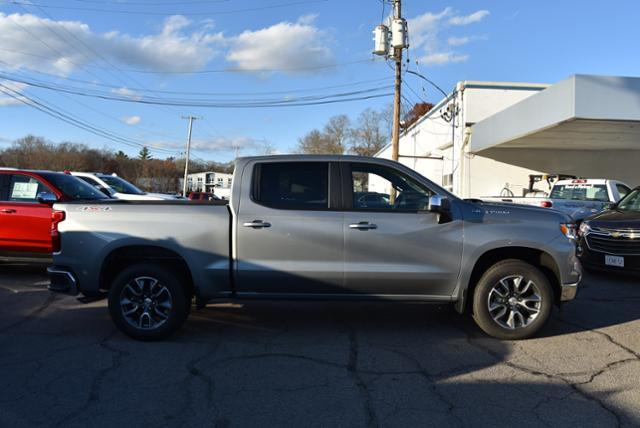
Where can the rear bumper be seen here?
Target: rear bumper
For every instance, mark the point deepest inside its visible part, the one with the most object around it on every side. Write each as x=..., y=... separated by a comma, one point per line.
x=62, y=280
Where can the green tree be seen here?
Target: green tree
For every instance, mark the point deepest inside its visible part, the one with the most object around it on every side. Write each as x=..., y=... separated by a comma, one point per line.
x=144, y=154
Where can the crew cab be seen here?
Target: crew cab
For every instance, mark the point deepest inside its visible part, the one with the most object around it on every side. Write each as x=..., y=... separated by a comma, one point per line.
x=579, y=197
x=297, y=227
x=26, y=198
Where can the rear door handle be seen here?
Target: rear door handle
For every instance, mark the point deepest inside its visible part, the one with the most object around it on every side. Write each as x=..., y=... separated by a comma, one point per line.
x=257, y=224
x=363, y=225
x=7, y=210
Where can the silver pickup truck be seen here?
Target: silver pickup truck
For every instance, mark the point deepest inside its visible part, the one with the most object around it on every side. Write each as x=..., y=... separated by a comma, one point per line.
x=318, y=227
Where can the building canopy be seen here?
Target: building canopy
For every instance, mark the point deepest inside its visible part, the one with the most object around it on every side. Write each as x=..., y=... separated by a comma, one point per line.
x=587, y=126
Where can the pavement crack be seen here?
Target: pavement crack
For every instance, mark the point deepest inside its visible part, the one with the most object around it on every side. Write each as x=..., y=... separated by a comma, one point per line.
x=31, y=315
x=352, y=369
x=96, y=384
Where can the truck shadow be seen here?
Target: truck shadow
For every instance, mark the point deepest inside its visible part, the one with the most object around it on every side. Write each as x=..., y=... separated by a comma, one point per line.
x=317, y=363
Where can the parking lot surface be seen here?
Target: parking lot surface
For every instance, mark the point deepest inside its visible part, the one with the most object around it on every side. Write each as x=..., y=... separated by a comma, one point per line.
x=62, y=363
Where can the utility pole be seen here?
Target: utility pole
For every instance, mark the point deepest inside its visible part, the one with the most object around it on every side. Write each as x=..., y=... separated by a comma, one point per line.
x=186, y=161
x=389, y=43
x=397, y=56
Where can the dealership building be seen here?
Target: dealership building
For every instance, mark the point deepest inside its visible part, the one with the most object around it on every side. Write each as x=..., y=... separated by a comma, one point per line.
x=485, y=137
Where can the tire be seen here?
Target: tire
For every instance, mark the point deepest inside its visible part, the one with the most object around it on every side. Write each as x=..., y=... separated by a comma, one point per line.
x=530, y=296
x=148, y=302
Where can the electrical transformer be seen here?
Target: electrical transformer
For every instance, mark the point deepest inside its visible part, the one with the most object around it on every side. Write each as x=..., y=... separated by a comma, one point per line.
x=381, y=40
x=399, y=34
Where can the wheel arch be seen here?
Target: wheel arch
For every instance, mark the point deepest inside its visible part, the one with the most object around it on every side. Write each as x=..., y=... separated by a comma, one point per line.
x=534, y=256
x=121, y=257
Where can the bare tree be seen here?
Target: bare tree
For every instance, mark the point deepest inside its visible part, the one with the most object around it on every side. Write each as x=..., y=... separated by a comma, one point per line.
x=369, y=135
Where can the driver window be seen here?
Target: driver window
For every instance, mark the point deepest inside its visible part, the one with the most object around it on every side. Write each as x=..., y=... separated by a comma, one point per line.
x=380, y=188
x=23, y=188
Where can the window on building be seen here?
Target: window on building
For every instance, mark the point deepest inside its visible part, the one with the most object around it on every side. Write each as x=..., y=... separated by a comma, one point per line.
x=294, y=186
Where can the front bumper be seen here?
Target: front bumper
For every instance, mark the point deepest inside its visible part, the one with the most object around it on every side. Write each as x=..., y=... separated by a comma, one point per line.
x=62, y=280
x=569, y=291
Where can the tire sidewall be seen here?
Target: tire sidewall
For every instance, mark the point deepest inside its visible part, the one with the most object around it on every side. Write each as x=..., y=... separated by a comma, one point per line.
x=492, y=276
x=179, y=309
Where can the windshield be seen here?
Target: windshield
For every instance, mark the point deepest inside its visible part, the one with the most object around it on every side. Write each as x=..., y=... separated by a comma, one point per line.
x=72, y=187
x=580, y=192
x=631, y=202
x=120, y=185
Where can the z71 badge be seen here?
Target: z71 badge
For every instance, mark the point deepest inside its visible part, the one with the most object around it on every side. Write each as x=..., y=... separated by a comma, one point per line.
x=93, y=209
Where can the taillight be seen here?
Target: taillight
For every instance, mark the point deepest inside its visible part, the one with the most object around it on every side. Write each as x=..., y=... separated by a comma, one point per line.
x=546, y=204
x=56, y=218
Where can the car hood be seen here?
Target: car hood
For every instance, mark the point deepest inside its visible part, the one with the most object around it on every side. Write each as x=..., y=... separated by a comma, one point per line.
x=519, y=211
x=617, y=219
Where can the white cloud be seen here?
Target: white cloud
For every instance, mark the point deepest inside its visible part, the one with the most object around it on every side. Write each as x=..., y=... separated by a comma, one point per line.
x=469, y=19
x=426, y=35
x=31, y=41
x=441, y=58
x=132, y=120
x=458, y=41
x=219, y=144
x=8, y=100
x=126, y=92
x=285, y=46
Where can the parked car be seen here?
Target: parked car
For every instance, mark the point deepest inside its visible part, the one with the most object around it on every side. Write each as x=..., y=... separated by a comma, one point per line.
x=26, y=198
x=203, y=196
x=611, y=239
x=119, y=188
x=580, y=197
x=295, y=230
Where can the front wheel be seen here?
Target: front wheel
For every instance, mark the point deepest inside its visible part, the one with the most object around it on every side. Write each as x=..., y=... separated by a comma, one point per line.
x=512, y=300
x=147, y=302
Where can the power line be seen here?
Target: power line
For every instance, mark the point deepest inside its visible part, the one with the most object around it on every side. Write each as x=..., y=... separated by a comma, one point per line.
x=206, y=71
x=135, y=12
x=158, y=91
x=290, y=102
x=33, y=101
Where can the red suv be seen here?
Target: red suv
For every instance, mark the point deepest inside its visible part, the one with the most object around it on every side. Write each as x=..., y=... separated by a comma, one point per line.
x=26, y=215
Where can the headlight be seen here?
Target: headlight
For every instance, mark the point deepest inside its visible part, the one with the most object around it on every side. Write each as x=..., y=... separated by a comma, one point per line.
x=568, y=230
x=584, y=228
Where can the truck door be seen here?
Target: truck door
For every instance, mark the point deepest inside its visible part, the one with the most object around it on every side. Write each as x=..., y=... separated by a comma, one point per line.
x=289, y=234
x=25, y=224
x=393, y=246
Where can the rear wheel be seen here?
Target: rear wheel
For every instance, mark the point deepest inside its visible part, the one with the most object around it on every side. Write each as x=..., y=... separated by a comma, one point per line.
x=512, y=300
x=148, y=302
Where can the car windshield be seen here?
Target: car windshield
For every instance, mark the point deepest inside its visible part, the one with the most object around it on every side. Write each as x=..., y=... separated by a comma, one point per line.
x=72, y=187
x=120, y=185
x=631, y=202
x=580, y=192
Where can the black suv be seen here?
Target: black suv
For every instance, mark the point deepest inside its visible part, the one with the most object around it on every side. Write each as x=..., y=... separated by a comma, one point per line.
x=611, y=239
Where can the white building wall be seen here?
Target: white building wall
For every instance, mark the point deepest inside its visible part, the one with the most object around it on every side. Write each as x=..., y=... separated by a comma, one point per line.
x=438, y=148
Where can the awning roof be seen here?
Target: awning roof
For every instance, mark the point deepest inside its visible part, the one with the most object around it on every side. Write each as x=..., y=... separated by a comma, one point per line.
x=588, y=126
x=583, y=112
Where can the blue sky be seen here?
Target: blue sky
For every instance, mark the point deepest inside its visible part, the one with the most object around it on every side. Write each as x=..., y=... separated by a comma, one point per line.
x=239, y=52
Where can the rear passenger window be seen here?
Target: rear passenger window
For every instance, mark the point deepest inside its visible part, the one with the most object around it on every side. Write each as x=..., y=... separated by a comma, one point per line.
x=292, y=185
x=23, y=188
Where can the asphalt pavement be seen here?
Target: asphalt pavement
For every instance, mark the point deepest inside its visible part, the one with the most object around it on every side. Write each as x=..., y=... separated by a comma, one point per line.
x=62, y=363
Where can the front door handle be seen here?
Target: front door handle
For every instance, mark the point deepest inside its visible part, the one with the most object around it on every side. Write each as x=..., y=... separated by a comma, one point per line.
x=7, y=211
x=363, y=225
x=257, y=224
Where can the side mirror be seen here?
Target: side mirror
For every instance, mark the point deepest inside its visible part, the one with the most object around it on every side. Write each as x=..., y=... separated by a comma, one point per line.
x=46, y=198
x=611, y=206
x=439, y=204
